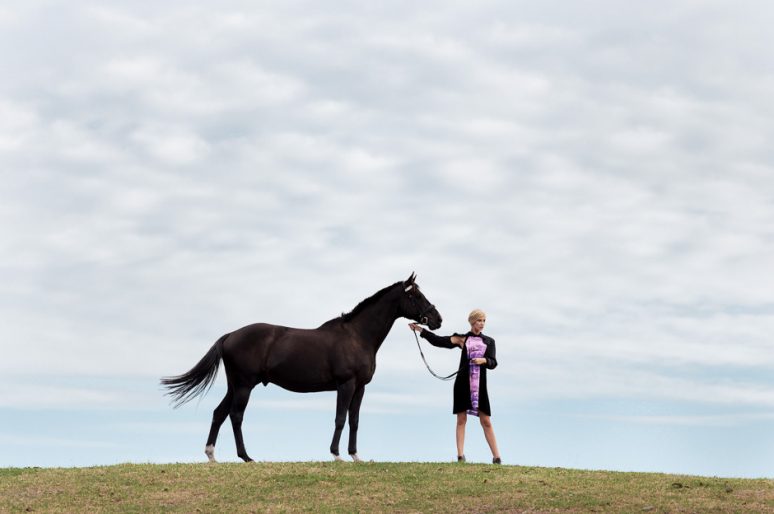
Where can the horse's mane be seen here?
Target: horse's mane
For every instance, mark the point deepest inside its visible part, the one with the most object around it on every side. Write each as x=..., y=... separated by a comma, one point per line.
x=345, y=317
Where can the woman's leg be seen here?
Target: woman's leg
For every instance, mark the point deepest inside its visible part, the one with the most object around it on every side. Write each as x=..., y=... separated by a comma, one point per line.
x=486, y=424
x=462, y=418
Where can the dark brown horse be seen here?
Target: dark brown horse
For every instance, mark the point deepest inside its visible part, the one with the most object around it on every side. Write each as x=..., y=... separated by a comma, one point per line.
x=340, y=356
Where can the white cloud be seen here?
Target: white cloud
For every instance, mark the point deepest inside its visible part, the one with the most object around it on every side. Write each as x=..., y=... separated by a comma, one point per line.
x=16, y=123
x=172, y=145
x=601, y=184
x=583, y=375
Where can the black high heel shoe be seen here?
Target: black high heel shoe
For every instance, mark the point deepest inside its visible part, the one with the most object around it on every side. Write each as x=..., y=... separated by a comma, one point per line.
x=496, y=460
x=460, y=458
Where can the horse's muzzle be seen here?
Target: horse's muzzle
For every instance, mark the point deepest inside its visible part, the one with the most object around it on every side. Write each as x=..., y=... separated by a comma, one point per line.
x=433, y=325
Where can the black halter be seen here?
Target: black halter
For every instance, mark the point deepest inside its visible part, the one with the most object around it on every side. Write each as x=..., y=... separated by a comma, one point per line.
x=423, y=315
x=422, y=318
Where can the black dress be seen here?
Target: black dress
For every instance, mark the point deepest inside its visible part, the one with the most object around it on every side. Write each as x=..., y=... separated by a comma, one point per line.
x=462, y=400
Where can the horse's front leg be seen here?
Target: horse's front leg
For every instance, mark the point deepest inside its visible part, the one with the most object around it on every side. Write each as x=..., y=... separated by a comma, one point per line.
x=344, y=393
x=354, y=419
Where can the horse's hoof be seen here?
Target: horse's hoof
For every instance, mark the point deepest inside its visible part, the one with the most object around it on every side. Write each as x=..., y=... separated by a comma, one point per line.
x=337, y=458
x=210, y=452
x=355, y=457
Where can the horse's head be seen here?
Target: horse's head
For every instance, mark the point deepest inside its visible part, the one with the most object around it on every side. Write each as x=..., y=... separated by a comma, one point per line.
x=416, y=307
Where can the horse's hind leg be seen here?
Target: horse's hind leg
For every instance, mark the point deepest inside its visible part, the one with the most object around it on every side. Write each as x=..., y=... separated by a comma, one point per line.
x=218, y=417
x=238, y=406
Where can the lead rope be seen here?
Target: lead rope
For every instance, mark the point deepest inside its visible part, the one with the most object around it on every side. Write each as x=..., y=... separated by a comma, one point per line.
x=439, y=377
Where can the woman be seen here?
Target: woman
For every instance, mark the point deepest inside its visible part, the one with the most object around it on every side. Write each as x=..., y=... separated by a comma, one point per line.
x=470, y=391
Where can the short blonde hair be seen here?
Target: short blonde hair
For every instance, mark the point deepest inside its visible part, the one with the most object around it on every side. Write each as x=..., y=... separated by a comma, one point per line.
x=476, y=314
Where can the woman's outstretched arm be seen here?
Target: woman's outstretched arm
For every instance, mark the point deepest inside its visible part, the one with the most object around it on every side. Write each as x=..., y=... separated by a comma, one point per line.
x=439, y=341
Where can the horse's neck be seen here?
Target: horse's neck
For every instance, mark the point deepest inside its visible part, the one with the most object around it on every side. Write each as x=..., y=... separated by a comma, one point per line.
x=375, y=321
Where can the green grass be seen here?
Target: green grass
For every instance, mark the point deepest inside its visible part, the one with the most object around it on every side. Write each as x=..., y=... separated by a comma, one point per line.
x=347, y=487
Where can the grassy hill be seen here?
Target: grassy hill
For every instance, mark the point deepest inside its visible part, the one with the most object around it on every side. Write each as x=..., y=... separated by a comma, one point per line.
x=347, y=487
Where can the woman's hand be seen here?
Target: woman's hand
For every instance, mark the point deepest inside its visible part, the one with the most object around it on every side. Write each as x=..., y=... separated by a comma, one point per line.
x=415, y=327
x=478, y=360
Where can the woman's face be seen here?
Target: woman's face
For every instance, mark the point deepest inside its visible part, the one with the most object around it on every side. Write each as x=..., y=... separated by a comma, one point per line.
x=478, y=325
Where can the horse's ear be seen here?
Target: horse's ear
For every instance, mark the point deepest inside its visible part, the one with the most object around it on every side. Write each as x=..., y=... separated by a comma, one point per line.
x=410, y=282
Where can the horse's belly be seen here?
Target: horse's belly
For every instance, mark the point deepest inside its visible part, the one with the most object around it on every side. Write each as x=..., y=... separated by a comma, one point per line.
x=302, y=375
x=300, y=381
x=305, y=388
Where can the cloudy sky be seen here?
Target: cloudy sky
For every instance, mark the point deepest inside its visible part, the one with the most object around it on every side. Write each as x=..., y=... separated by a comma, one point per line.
x=597, y=176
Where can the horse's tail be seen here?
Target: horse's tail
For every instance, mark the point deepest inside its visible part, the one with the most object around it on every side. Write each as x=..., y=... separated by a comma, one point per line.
x=198, y=380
